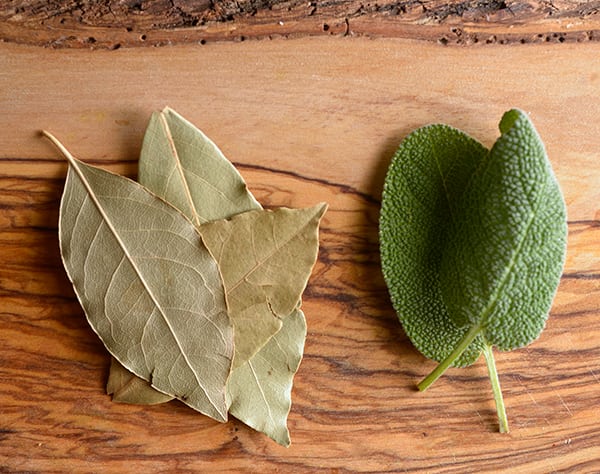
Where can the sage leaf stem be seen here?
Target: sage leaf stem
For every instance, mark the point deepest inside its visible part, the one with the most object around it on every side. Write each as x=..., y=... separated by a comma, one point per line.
x=495, y=381
x=452, y=357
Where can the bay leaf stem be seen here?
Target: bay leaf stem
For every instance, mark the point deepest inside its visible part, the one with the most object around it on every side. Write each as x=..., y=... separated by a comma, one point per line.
x=61, y=147
x=447, y=362
x=495, y=381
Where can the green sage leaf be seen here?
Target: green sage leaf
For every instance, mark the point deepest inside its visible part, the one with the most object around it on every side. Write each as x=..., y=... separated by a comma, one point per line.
x=425, y=179
x=503, y=263
x=148, y=285
x=488, y=260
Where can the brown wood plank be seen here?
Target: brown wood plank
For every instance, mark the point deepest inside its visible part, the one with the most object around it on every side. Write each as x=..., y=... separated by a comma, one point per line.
x=305, y=120
x=136, y=23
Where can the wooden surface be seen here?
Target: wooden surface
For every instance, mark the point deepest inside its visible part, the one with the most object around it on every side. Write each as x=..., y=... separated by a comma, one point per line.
x=304, y=120
x=111, y=24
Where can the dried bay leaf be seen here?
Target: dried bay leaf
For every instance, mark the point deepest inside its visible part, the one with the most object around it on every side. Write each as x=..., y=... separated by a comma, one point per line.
x=125, y=387
x=183, y=166
x=259, y=391
x=266, y=258
x=261, y=396
x=262, y=288
x=149, y=287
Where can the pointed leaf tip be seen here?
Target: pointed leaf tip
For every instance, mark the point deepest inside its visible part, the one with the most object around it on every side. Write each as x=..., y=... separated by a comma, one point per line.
x=259, y=391
x=509, y=119
x=183, y=166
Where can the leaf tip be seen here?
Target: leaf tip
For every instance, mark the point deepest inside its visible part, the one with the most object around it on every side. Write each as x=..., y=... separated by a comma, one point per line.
x=510, y=118
x=321, y=208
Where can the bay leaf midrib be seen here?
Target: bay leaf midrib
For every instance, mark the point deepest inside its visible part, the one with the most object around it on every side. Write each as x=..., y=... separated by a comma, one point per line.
x=73, y=162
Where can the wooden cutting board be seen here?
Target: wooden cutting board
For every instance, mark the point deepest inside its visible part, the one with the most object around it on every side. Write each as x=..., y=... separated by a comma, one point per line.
x=305, y=120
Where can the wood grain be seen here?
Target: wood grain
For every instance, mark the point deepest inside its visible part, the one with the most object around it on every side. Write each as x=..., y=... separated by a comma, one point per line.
x=111, y=24
x=304, y=120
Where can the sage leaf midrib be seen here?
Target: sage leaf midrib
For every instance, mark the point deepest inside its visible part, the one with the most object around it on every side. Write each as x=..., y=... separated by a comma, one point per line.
x=516, y=182
x=497, y=292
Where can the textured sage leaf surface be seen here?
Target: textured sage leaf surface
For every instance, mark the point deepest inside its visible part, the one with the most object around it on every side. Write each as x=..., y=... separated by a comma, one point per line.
x=427, y=175
x=148, y=285
x=266, y=258
x=259, y=391
x=183, y=166
x=503, y=262
x=489, y=232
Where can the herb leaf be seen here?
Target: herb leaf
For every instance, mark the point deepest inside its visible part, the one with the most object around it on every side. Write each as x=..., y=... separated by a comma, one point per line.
x=503, y=263
x=126, y=387
x=259, y=391
x=501, y=268
x=183, y=166
x=425, y=179
x=266, y=258
x=489, y=271
x=148, y=285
